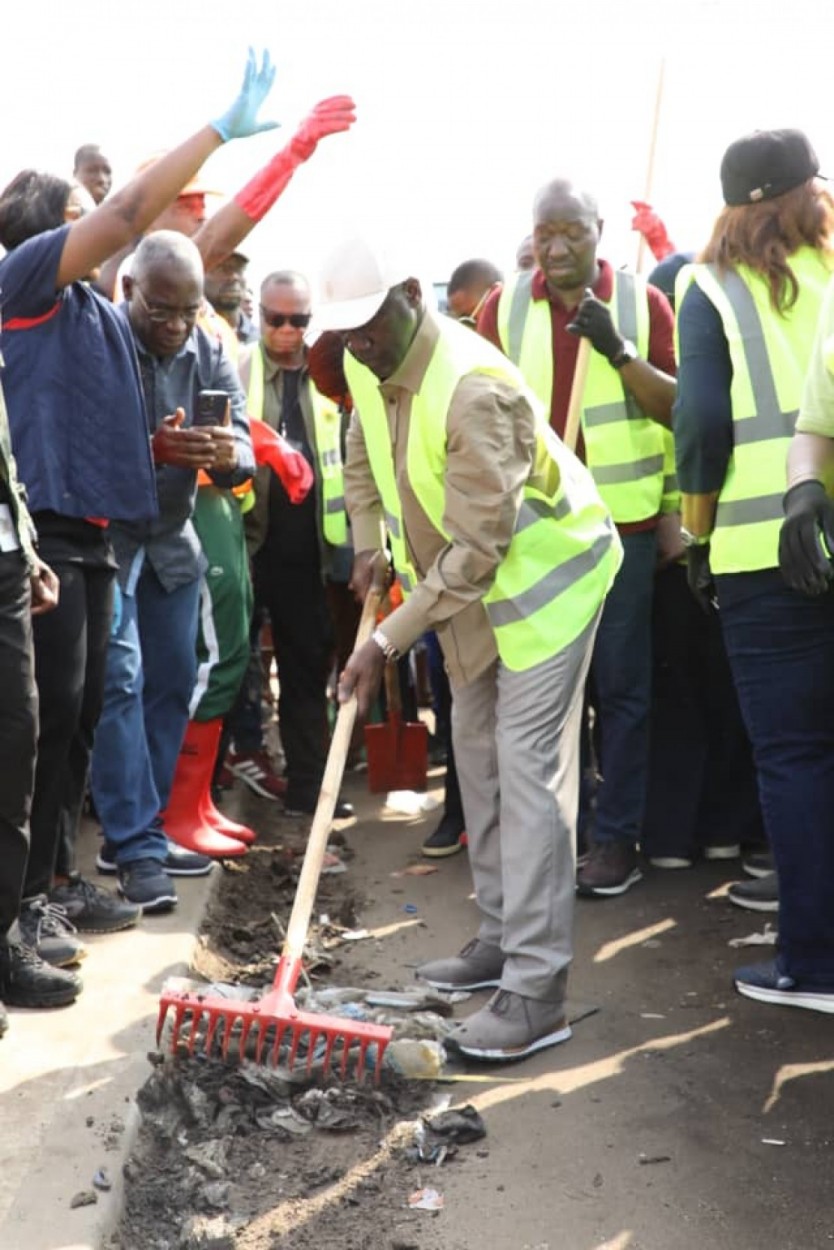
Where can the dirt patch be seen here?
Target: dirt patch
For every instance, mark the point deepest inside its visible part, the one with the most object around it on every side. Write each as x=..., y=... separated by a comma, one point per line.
x=240, y=1156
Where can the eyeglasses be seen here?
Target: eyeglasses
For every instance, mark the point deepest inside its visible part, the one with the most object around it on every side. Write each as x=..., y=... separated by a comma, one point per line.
x=298, y=321
x=161, y=316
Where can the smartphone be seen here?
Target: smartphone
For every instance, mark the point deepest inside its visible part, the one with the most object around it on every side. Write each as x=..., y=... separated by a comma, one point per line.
x=211, y=408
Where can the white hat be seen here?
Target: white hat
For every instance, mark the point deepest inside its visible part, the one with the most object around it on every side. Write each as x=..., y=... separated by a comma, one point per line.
x=353, y=284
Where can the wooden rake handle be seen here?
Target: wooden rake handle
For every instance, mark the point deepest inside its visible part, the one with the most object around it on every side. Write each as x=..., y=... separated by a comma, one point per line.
x=577, y=392
x=308, y=880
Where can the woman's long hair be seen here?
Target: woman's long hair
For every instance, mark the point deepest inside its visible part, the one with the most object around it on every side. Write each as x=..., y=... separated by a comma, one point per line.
x=32, y=203
x=765, y=235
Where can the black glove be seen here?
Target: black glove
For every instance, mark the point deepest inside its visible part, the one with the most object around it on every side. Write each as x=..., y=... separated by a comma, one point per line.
x=699, y=577
x=593, y=321
x=809, y=519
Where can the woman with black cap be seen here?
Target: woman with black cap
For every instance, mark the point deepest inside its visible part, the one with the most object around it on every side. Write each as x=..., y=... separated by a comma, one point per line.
x=748, y=314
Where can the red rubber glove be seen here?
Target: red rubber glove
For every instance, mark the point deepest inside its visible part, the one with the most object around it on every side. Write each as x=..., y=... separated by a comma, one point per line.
x=289, y=465
x=647, y=222
x=329, y=116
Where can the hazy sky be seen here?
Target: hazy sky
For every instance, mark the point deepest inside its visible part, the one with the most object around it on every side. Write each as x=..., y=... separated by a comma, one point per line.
x=465, y=107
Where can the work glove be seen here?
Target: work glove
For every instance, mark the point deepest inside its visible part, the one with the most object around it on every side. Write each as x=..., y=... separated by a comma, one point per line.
x=241, y=118
x=593, y=321
x=328, y=117
x=699, y=577
x=807, y=530
x=289, y=466
x=648, y=223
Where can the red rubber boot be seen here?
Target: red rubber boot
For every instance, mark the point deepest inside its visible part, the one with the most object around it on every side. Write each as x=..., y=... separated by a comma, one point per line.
x=209, y=732
x=186, y=819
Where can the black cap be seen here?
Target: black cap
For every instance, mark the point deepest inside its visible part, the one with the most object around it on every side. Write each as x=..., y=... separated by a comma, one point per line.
x=766, y=163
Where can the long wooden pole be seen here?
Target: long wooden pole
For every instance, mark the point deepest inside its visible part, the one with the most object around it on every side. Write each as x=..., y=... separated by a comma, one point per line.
x=650, y=166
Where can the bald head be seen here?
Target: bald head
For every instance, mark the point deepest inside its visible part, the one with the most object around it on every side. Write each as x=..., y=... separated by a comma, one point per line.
x=566, y=232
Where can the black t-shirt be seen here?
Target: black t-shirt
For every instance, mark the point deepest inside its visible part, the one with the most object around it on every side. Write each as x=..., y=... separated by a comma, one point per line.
x=292, y=536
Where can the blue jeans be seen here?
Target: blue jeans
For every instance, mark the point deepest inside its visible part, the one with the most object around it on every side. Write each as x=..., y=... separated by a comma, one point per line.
x=781, y=649
x=621, y=684
x=151, y=668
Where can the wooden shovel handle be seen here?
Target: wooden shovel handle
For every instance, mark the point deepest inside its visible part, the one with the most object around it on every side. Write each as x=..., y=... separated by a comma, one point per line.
x=331, y=784
x=577, y=393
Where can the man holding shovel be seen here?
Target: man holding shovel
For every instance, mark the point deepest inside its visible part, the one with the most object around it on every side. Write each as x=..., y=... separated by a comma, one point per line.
x=503, y=546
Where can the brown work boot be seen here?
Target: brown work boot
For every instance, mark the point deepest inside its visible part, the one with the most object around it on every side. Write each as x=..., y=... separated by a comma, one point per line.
x=477, y=967
x=511, y=1026
x=611, y=868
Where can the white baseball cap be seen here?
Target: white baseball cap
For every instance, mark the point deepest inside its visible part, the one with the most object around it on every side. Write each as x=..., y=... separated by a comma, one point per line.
x=353, y=284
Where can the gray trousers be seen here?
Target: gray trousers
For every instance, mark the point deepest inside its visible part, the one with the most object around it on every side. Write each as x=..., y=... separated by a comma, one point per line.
x=516, y=742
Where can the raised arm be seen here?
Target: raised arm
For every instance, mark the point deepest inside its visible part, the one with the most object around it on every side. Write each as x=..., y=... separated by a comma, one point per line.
x=129, y=211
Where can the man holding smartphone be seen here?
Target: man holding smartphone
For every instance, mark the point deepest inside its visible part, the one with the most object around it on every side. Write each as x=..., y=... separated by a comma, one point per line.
x=151, y=664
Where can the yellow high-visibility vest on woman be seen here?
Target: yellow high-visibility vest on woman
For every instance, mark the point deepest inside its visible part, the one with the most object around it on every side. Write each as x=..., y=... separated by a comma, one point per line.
x=624, y=449
x=769, y=353
x=564, y=552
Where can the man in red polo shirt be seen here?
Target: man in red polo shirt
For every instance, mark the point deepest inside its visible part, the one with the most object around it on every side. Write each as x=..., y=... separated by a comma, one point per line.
x=538, y=319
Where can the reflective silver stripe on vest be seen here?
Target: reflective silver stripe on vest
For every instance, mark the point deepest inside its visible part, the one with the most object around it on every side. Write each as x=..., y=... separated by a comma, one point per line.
x=393, y=524
x=670, y=483
x=522, y=295
x=769, y=421
x=330, y=457
x=603, y=414
x=533, y=510
x=627, y=325
x=616, y=474
x=405, y=581
x=335, y=505
x=549, y=587
x=749, y=511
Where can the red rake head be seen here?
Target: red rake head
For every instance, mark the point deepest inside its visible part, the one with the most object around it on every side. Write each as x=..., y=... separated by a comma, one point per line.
x=272, y=1030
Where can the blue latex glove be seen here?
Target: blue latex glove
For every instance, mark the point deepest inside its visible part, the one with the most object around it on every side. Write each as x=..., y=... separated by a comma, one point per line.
x=241, y=118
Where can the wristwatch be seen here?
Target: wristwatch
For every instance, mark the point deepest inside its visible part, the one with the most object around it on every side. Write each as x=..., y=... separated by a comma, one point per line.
x=625, y=355
x=387, y=648
x=693, y=540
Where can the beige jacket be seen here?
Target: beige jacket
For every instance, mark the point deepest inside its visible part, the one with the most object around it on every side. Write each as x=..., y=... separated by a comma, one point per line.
x=490, y=432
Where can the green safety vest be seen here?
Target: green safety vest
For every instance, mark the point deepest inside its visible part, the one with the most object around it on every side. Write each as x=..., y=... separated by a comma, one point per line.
x=769, y=355
x=327, y=428
x=564, y=552
x=624, y=449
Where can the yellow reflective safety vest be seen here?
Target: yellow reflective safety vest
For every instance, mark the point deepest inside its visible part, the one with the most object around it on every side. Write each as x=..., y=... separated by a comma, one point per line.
x=769, y=353
x=327, y=431
x=564, y=552
x=624, y=449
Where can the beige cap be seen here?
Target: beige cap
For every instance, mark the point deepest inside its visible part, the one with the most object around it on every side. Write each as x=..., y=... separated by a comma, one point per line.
x=353, y=284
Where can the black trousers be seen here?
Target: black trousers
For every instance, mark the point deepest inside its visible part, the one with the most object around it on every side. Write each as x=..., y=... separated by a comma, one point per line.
x=18, y=732
x=70, y=658
x=302, y=637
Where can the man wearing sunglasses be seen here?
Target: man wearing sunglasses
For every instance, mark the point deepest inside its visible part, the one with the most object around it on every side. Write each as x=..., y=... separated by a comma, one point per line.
x=293, y=545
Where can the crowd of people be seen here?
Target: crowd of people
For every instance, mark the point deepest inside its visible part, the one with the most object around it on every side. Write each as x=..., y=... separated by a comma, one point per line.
x=605, y=501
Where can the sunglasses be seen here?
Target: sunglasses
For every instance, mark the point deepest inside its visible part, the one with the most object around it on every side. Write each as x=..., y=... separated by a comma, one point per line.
x=298, y=321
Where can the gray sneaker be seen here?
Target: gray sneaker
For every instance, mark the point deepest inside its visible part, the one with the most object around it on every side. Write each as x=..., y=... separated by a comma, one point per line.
x=511, y=1026
x=477, y=967
x=757, y=893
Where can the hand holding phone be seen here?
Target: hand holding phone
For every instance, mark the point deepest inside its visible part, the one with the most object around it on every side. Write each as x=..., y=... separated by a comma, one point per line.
x=212, y=408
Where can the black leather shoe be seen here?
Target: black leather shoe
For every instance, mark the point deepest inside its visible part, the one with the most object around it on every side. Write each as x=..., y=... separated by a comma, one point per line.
x=27, y=981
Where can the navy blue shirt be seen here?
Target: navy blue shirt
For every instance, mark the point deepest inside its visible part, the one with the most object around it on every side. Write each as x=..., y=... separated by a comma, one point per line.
x=73, y=392
x=702, y=413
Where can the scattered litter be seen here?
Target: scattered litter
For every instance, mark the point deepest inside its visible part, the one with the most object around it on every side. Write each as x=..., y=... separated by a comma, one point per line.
x=416, y=870
x=425, y=1200
x=651, y=1015
x=84, y=1198
x=767, y=938
x=410, y=802
x=354, y=935
x=102, y=1180
x=773, y=1141
x=416, y=1059
x=410, y=909
x=648, y=1159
